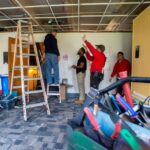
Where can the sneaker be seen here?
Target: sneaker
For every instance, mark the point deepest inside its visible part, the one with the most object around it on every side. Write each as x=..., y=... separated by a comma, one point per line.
x=79, y=102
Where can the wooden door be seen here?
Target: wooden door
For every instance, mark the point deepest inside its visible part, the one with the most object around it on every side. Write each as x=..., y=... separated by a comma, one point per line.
x=11, y=46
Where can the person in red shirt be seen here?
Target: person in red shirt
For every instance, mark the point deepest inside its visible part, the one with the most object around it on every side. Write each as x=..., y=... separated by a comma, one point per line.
x=97, y=62
x=122, y=64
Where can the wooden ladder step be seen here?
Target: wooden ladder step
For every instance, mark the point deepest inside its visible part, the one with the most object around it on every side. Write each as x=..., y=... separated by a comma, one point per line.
x=19, y=67
x=34, y=92
x=19, y=87
x=25, y=36
x=26, y=55
x=53, y=85
x=26, y=43
x=18, y=77
x=28, y=79
x=26, y=32
x=36, y=105
x=25, y=22
x=23, y=46
x=53, y=93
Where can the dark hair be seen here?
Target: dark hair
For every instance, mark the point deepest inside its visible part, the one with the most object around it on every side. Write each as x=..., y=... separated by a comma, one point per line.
x=101, y=47
x=83, y=50
x=120, y=53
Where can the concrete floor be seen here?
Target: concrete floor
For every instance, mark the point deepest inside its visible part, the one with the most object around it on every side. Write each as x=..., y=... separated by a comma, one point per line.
x=40, y=132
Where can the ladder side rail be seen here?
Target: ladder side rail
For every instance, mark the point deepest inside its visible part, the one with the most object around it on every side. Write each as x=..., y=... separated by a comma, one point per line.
x=28, y=51
x=14, y=59
x=40, y=71
x=22, y=74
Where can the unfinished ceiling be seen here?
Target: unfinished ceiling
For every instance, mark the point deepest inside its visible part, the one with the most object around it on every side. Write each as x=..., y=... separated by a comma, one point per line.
x=71, y=15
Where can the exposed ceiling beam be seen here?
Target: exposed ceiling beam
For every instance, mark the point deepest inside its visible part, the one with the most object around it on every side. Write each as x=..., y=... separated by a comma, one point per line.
x=70, y=5
x=7, y=27
x=114, y=3
x=83, y=24
x=82, y=30
x=69, y=11
x=7, y=17
x=40, y=19
x=102, y=24
x=103, y=15
x=50, y=7
x=88, y=30
x=27, y=12
x=124, y=20
x=73, y=16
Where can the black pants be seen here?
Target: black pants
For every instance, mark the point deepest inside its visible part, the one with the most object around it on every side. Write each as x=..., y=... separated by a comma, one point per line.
x=95, y=79
x=119, y=90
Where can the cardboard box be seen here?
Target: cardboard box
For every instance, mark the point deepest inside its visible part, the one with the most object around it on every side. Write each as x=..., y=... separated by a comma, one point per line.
x=63, y=91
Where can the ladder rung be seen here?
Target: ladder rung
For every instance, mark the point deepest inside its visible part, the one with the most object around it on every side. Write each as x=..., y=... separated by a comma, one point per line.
x=23, y=46
x=25, y=36
x=16, y=77
x=35, y=105
x=26, y=43
x=18, y=67
x=23, y=56
x=53, y=94
x=26, y=22
x=53, y=85
x=19, y=87
x=30, y=67
x=26, y=32
x=26, y=55
x=33, y=92
x=27, y=79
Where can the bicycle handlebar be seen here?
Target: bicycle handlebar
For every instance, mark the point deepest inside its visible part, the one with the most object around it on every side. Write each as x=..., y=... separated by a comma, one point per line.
x=124, y=80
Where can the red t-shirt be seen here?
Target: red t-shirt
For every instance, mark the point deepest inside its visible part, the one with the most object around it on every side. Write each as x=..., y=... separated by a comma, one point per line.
x=98, y=59
x=123, y=65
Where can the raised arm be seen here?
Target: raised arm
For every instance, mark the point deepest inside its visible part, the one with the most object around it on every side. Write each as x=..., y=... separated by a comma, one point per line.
x=89, y=45
x=88, y=56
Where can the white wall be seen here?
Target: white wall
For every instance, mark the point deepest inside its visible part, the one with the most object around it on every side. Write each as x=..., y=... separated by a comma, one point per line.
x=4, y=48
x=69, y=43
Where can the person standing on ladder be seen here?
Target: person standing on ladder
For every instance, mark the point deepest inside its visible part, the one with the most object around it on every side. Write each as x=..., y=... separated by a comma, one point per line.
x=52, y=57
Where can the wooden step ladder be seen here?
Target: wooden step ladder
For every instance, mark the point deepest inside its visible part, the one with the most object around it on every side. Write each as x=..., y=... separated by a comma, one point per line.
x=24, y=39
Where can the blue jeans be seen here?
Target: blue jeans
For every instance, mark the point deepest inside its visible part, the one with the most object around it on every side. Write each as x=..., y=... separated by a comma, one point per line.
x=43, y=69
x=52, y=63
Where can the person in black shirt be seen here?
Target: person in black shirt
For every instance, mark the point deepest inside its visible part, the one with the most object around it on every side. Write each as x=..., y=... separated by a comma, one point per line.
x=80, y=71
x=52, y=57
